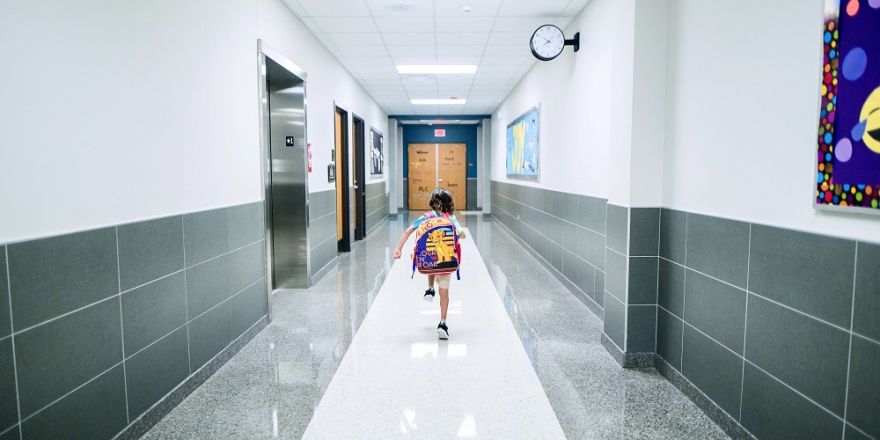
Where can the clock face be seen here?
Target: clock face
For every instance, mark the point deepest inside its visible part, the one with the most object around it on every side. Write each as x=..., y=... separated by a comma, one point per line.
x=547, y=42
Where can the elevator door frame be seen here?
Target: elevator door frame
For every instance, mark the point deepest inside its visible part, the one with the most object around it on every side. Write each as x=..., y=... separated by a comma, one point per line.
x=266, y=51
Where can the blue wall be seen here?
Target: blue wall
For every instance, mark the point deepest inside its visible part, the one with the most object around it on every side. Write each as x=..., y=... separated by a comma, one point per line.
x=455, y=134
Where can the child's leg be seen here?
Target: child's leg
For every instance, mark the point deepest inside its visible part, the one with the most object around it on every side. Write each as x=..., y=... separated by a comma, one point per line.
x=444, y=302
x=430, y=281
x=443, y=282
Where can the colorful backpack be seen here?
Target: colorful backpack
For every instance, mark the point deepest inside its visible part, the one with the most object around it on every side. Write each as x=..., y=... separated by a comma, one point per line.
x=437, y=249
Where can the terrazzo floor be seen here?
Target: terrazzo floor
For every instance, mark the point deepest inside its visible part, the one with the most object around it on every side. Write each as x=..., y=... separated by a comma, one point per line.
x=270, y=389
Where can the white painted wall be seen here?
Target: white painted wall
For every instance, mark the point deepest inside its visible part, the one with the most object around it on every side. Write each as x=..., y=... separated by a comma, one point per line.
x=743, y=103
x=115, y=112
x=575, y=95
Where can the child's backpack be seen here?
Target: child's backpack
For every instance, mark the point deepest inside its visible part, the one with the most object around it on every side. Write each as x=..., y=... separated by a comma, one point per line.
x=437, y=249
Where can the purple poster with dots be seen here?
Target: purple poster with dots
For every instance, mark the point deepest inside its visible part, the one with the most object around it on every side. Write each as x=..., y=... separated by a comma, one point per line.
x=848, y=166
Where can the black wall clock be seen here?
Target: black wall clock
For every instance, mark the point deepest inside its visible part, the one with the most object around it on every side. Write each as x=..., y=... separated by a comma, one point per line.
x=548, y=41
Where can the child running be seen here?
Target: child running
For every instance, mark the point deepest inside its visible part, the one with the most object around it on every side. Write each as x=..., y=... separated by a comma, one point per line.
x=442, y=205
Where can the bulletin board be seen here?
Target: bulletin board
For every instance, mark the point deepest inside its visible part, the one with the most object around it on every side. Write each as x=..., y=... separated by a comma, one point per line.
x=848, y=155
x=523, y=146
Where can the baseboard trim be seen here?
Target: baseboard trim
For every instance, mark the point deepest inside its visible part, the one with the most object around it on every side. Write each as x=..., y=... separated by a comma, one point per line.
x=725, y=421
x=160, y=409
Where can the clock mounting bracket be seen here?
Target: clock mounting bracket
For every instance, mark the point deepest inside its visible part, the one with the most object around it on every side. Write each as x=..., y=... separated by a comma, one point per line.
x=574, y=41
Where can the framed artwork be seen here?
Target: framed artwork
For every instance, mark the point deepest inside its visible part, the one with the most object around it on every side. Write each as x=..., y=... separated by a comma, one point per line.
x=377, y=159
x=523, y=145
x=848, y=156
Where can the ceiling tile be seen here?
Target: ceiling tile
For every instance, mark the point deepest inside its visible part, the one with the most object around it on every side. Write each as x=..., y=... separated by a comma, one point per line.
x=531, y=8
x=453, y=92
x=356, y=39
x=455, y=79
x=371, y=61
x=455, y=59
x=462, y=38
x=411, y=51
x=464, y=24
x=384, y=8
x=408, y=38
x=404, y=60
x=494, y=50
x=405, y=24
x=521, y=37
x=521, y=24
x=346, y=24
x=451, y=50
x=510, y=61
x=478, y=8
x=324, y=8
x=362, y=51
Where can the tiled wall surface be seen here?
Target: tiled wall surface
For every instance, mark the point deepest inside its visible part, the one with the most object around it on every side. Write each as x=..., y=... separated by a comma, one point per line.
x=567, y=230
x=631, y=261
x=377, y=205
x=97, y=326
x=781, y=329
x=322, y=230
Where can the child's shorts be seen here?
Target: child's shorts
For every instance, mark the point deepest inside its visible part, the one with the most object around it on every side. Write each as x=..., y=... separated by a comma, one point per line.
x=443, y=280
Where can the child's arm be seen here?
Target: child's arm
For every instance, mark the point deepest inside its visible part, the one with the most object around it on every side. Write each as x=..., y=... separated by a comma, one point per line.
x=403, y=239
x=461, y=234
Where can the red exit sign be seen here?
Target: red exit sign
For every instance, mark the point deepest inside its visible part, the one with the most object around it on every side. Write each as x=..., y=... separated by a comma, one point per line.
x=440, y=132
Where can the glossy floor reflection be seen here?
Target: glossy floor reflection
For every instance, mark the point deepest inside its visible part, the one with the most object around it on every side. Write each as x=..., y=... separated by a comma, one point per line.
x=399, y=381
x=592, y=396
x=271, y=388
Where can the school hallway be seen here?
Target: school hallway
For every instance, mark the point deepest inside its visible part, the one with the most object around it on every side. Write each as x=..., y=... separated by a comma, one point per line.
x=671, y=210
x=524, y=359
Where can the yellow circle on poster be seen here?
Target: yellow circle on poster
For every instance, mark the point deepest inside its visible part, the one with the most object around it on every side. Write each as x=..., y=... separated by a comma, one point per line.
x=871, y=118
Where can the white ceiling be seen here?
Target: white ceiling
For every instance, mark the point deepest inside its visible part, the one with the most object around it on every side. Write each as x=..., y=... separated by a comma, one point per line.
x=370, y=37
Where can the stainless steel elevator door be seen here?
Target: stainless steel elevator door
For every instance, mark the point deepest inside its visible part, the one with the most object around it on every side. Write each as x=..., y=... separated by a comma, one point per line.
x=287, y=186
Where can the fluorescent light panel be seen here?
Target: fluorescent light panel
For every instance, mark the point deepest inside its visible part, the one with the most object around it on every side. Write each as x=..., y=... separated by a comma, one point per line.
x=440, y=69
x=450, y=101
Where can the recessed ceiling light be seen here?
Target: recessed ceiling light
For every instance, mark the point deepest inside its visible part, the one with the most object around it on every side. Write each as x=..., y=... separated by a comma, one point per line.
x=436, y=69
x=449, y=101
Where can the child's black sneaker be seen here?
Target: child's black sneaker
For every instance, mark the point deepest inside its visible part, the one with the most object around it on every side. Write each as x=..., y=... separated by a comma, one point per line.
x=442, y=331
x=429, y=295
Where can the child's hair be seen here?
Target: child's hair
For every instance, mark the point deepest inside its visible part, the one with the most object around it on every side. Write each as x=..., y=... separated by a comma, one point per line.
x=441, y=201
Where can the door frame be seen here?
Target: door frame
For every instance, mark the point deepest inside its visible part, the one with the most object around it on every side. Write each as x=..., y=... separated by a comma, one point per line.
x=358, y=128
x=342, y=179
x=266, y=51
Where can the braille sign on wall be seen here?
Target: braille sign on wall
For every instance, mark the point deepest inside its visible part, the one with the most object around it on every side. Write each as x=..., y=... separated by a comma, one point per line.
x=288, y=141
x=440, y=132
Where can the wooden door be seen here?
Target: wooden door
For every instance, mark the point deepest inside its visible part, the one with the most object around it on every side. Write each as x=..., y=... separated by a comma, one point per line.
x=452, y=172
x=422, y=175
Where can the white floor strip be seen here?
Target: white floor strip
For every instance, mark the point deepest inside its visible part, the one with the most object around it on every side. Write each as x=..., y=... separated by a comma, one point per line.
x=397, y=380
